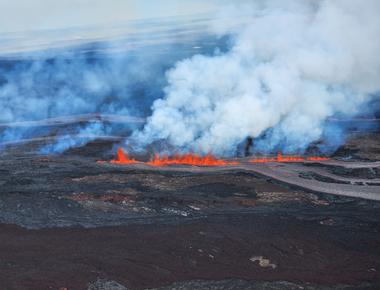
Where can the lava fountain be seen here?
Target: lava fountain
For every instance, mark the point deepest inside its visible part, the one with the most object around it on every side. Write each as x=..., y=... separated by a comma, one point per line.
x=123, y=158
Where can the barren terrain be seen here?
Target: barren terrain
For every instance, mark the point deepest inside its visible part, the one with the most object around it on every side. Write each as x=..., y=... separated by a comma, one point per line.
x=68, y=221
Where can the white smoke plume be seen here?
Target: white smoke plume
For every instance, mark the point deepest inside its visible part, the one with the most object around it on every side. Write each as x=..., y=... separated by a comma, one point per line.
x=295, y=64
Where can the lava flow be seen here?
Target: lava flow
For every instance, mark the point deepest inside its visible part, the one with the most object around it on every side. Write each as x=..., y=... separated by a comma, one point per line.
x=186, y=159
x=281, y=158
x=123, y=158
x=208, y=160
x=190, y=159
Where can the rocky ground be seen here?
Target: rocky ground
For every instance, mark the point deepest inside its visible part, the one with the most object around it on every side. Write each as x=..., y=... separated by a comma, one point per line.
x=70, y=222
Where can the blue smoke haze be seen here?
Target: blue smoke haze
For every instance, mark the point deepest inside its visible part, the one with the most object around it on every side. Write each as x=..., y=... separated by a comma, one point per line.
x=106, y=77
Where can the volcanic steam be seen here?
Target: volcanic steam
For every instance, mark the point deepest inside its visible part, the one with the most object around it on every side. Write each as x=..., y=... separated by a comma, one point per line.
x=294, y=65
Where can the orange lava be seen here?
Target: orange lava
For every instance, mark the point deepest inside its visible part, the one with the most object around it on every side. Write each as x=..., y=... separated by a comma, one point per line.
x=190, y=159
x=122, y=158
x=282, y=158
x=316, y=158
x=208, y=160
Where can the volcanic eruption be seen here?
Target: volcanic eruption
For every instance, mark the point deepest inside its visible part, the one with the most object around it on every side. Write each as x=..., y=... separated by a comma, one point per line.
x=192, y=159
x=280, y=90
x=216, y=135
x=177, y=159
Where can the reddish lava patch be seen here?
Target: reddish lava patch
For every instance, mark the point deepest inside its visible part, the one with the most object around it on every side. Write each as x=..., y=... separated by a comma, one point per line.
x=282, y=158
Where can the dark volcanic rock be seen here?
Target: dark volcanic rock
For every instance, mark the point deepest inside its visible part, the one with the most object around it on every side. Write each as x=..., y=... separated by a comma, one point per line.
x=77, y=222
x=261, y=247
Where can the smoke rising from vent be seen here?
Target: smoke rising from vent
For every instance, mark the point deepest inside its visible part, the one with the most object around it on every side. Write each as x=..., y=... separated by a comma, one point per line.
x=289, y=70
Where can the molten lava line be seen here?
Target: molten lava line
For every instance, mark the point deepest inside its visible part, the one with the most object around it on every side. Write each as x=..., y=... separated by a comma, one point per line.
x=281, y=158
x=189, y=159
x=208, y=160
x=186, y=159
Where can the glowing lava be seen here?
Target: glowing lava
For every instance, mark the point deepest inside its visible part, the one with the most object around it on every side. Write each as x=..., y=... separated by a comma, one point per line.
x=123, y=158
x=208, y=160
x=281, y=158
x=190, y=159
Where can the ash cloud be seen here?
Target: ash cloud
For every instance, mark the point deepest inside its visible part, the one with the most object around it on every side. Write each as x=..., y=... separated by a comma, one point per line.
x=293, y=66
